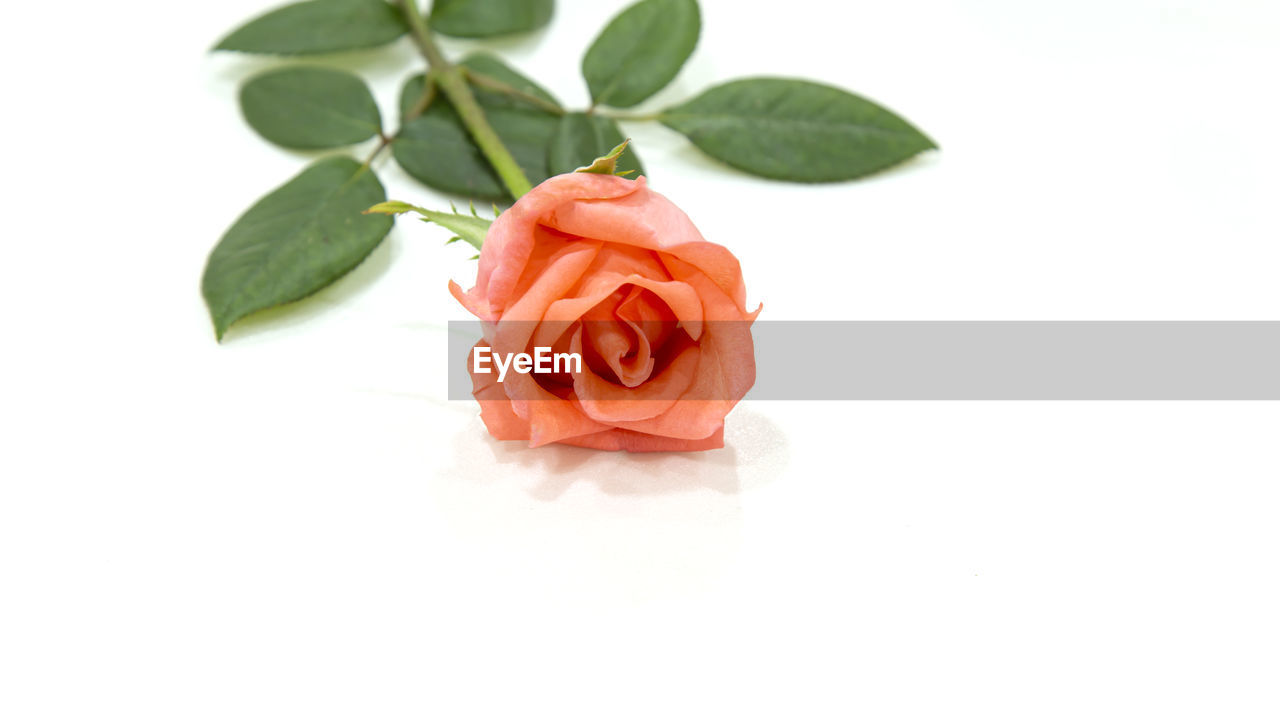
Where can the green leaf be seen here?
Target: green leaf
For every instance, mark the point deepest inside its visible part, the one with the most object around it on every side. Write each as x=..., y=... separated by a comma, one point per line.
x=411, y=92
x=489, y=18
x=469, y=228
x=392, y=207
x=436, y=148
x=606, y=164
x=487, y=64
x=310, y=108
x=580, y=139
x=795, y=130
x=318, y=26
x=298, y=239
x=641, y=50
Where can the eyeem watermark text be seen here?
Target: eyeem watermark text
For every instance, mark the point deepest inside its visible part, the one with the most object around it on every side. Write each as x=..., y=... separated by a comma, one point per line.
x=541, y=361
x=1129, y=360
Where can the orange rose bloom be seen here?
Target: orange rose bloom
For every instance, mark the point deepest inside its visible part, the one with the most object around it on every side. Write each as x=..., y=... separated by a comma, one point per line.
x=602, y=266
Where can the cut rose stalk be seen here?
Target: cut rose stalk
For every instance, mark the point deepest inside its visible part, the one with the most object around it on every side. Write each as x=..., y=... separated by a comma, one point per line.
x=453, y=83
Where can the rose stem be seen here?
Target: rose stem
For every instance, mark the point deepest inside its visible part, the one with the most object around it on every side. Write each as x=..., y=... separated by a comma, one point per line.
x=419, y=107
x=453, y=82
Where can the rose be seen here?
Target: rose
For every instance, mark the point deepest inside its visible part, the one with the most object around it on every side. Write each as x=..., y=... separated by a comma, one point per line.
x=603, y=266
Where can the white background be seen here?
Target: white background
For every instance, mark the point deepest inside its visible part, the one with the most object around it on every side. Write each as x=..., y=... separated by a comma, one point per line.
x=297, y=524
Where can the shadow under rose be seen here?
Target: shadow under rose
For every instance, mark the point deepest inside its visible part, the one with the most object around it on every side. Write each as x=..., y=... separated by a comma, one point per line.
x=559, y=467
x=562, y=466
x=616, y=525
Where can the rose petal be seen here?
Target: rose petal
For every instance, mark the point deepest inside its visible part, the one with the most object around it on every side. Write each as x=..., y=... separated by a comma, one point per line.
x=495, y=406
x=630, y=441
x=726, y=366
x=610, y=403
x=549, y=417
x=649, y=220
x=682, y=300
x=510, y=240
x=618, y=343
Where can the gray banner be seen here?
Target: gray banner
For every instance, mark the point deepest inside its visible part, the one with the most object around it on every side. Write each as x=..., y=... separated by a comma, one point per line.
x=994, y=360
